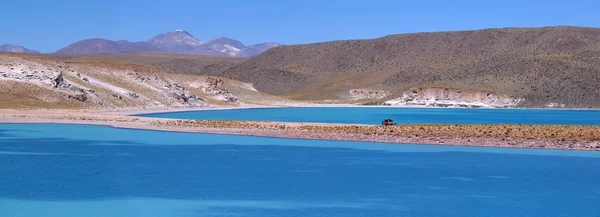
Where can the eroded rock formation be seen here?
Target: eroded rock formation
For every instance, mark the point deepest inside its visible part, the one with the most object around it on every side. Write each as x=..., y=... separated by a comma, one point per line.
x=44, y=76
x=448, y=97
x=368, y=94
x=184, y=96
x=215, y=87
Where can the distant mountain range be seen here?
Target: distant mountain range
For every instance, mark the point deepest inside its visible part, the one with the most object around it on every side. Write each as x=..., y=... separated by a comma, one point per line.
x=178, y=41
x=10, y=48
x=98, y=45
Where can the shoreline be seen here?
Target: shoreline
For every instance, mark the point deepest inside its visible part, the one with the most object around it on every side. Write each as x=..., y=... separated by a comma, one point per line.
x=176, y=110
x=133, y=111
x=563, y=137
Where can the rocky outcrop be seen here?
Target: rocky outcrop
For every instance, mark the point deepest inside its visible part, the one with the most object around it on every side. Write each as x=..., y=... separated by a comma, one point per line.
x=58, y=81
x=447, y=97
x=368, y=94
x=215, y=87
x=555, y=105
x=29, y=72
x=40, y=75
x=174, y=92
x=184, y=96
x=79, y=97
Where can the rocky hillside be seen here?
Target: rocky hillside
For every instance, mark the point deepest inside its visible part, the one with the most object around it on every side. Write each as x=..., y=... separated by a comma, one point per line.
x=32, y=81
x=542, y=66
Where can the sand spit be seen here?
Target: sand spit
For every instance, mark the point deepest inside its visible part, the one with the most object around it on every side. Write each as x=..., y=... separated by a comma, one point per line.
x=512, y=136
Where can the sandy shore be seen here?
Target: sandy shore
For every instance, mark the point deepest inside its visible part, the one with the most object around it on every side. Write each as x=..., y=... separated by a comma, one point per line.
x=513, y=136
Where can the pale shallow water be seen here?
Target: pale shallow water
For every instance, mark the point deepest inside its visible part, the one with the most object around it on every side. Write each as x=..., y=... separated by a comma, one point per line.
x=77, y=170
x=374, y=115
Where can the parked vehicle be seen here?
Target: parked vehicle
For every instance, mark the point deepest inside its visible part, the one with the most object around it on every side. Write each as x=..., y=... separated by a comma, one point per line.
x=388, y=122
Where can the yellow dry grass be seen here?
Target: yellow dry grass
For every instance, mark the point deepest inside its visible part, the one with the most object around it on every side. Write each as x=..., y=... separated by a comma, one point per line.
x=19, y=95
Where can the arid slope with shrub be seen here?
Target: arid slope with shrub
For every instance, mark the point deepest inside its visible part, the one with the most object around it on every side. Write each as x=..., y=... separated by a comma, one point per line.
x=552, y=66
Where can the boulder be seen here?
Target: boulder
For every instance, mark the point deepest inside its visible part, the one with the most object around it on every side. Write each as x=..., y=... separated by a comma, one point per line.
x=79, y=97
x=215, y=87
x=58, y=81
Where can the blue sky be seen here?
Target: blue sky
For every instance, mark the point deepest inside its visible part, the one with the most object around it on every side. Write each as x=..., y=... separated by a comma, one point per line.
x=47, y=26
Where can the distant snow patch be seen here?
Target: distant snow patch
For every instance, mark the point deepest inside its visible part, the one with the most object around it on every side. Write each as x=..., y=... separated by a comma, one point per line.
x=232, y=48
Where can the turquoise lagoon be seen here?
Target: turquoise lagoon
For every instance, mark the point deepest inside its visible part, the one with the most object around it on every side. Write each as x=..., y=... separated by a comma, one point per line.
x=374, y=115
x=60, y=170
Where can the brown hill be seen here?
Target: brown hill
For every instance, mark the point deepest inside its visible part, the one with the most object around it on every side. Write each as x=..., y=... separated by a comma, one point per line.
x=542, y=65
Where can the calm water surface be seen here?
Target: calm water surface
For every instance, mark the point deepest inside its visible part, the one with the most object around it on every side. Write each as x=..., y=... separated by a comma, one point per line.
x=374, y=115
x=91, y=171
